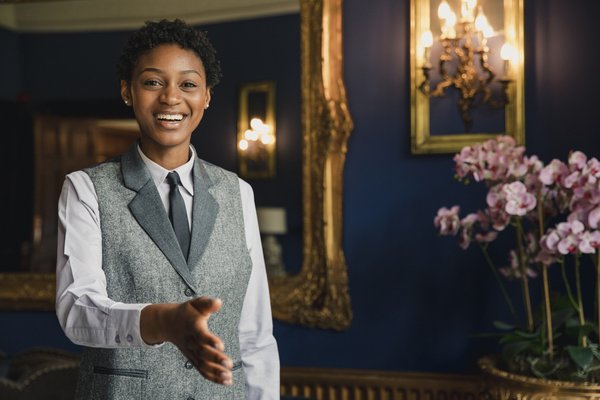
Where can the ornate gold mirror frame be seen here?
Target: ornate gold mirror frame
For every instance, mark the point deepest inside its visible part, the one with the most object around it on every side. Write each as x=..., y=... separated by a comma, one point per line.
x=318, y=295
x=422, y=141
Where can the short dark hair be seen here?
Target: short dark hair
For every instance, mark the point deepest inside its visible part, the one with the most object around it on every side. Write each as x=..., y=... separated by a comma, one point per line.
x=153, y=34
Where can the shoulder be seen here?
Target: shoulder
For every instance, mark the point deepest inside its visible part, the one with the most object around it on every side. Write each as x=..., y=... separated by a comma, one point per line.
x=214, y=170
x=80, y=184
x=104, y=167
x=218, y=174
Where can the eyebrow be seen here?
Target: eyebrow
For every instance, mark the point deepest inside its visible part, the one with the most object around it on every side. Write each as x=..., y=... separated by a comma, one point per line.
x=187, y=71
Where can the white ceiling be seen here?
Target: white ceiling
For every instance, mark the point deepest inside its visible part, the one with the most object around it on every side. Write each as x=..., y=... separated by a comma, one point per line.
x=98, y=15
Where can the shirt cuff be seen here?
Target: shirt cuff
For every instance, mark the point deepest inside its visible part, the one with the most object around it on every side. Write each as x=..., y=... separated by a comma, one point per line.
x=126, y=331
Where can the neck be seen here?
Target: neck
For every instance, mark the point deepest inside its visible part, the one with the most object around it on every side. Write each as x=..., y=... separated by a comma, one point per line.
x=167, y=157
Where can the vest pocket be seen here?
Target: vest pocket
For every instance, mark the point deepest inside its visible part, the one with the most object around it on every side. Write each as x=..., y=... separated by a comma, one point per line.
x=131, y=373
x=117, y=383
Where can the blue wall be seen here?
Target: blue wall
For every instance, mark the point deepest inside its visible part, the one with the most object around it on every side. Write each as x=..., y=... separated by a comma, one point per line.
x=10, y=65
x=417, y=298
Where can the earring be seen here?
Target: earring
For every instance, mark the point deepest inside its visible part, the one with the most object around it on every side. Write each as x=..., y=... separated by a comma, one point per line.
x=206, y=107
x=126, y=102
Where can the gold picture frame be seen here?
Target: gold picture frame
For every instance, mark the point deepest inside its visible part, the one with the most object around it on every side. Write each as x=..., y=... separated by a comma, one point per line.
x=422, y=141
x=258, y=160
x=318, y=295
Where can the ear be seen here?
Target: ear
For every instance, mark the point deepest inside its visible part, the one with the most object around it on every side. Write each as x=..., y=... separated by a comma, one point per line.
x=208, y=97
x=126, y=92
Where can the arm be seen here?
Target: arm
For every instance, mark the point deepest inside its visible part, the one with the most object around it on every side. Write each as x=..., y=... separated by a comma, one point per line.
x=85, y=312
x=89, y=317
x=260, y=356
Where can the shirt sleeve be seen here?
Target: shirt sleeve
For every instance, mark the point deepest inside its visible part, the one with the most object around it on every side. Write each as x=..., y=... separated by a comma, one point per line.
x=85, y=312
x=260, y=357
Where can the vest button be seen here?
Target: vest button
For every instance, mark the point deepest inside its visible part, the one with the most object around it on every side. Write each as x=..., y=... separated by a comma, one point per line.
x=188, y=292
x=189, y=365
x=117, y=339
x=129, y=338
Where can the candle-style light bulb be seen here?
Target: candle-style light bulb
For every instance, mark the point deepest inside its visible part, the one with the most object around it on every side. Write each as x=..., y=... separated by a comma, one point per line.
x=426, y=42
x=444, y=10
x=481, y=20
x=427, y=39
x=488, y=31
x=450, y=25
x=509, y=54
x=467, y=9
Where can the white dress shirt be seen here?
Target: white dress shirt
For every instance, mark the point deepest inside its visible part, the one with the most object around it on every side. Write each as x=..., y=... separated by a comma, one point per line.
x=90, y=318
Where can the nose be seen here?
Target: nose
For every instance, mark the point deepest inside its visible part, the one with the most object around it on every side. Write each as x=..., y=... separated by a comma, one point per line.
x=170, y=95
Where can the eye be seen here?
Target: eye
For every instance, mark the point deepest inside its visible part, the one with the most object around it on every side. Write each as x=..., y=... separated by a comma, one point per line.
x=189, y=85
x=151, y=83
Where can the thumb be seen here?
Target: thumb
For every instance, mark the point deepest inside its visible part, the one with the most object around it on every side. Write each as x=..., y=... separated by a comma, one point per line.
x=206, y=305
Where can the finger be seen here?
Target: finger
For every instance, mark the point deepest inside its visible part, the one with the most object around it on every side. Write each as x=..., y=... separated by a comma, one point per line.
x=210, y=368
x=215, y=373
x=206, y=305
x=213, y=355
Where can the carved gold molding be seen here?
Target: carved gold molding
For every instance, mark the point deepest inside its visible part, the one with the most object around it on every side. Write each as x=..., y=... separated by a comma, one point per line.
x=318, y=296
x=345, y=384
x=502, y=385
x=21, y=291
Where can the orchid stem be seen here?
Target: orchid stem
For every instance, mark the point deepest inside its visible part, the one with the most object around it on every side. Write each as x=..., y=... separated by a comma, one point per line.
x=490, y=264
x=524, y=280
x=540, y=207
x=598, y=292
x=548, y=311
x=579, y=298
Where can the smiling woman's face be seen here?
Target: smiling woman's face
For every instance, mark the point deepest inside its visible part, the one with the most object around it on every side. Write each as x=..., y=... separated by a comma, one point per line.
x=169, y=95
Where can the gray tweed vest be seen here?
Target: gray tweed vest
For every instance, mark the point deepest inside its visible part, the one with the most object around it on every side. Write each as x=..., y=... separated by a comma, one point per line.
x=143, y=264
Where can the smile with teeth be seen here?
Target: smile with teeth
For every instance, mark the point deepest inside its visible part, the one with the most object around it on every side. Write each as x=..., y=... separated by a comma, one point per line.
x=170, y=117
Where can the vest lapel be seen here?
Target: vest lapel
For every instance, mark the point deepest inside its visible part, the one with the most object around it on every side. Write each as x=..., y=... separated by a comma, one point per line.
x=148, y=210
x=204, y=213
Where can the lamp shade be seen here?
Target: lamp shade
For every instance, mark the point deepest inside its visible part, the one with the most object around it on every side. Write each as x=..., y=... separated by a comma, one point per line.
x=271, y=220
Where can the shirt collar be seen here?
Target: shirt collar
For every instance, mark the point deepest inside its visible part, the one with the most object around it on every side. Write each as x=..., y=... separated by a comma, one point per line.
x=159, y=174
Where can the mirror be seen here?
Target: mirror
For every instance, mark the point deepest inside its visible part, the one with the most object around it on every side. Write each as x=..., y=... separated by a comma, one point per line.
x=436, y=126
x=257, y=131
x=318, y=295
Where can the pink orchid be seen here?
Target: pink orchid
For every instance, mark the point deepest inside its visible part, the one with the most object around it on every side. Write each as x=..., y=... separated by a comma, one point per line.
x=496, y=201
x=486, y=237
x=589, y=241
x=553, y=173
x=447, y=220
x=513, y=271
x=518, y=200
x=568, y=233
x=577, y=160
x=594, y=218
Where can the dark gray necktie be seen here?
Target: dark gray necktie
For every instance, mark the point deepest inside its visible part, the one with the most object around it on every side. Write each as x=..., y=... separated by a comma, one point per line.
x=178, y=214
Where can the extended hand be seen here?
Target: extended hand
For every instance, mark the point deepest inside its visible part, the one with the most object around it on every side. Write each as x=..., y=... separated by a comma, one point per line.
x=186, y=326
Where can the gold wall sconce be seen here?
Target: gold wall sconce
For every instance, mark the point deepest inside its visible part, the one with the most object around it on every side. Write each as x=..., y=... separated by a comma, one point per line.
x=458, y=47
x=256, y=142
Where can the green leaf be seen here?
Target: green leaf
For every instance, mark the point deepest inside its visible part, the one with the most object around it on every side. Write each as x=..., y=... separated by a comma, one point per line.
x=509, y=338
x=559, y=317
x=503, y=326
x=582, y=356
x=510, y=350
x=527, y=335
x=576, y=331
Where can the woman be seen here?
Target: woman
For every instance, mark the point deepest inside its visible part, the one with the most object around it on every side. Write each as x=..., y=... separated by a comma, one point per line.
x=160, y=270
